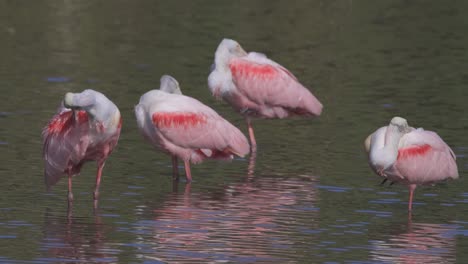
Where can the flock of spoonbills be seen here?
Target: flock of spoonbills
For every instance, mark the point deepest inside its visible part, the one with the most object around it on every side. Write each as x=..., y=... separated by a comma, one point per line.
x=87, y=125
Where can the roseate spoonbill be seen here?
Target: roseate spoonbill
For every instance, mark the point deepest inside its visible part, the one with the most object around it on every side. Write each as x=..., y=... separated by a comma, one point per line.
x=410, y=156
x=186, y=128
x=256, y=86
x=85, y=128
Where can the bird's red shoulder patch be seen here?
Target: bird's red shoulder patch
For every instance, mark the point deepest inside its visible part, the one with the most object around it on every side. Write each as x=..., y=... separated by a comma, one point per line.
x=246, y=68
x=178, y=119
x=413, y=151
x=61, y=122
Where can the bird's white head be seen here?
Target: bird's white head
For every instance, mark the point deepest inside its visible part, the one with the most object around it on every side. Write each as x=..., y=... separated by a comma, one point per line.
x=94, y=103
x=81, y=100
x=227, y=50
x=400, y=124
x=169, y=85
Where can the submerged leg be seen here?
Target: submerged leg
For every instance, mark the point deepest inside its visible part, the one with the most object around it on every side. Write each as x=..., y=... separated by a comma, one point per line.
x=69, y=212
x=175, y=168
x=253, y=143
x=188, y=186
x=98, y=179
x=384, y=181
x=410, y=203
x=187, y=171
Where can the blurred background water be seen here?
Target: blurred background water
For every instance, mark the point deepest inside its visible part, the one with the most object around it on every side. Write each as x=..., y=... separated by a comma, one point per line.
x=308, y=196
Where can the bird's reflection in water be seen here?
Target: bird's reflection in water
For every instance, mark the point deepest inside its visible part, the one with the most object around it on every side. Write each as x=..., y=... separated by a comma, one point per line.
x=420, y=243
x=244, y=221
x=79, y=239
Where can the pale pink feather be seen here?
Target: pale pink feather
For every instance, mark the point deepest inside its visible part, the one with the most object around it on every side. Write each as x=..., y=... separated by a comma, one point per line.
x=269, y=89
x=185, y=127
x=424, y=158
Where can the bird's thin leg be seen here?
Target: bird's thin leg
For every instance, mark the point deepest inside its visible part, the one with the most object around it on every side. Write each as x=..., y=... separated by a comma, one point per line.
x=175, y=168
x=98, y=179
x=188, y=186
x=69, y=212
x=384, y=181
x=251, y=166
x=187, y=171
x=253, y=143
x=95, y=208
x=410, y=203
x=70, y=193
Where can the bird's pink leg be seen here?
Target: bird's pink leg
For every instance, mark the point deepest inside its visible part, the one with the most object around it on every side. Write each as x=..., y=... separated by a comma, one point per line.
x=175, y=168
x=70, y=193
x=412, y=187
x=253, y=143
x=187, y=171
x=98, y=179
x=251, y=165
x=69, y=213
x=187, y=190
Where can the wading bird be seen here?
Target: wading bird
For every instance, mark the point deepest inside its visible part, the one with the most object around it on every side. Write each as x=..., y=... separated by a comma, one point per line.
x=410, y=156
x=185, y=128
x=256, y=86
x=85, y=128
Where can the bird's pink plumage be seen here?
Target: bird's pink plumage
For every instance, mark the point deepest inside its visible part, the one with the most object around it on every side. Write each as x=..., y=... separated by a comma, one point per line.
x=269, y=90
x=185, y=133
x=68, y=144
x=187, y=129
x=61, y=122
x=167, y=119
x=424, y=158
x=412, y=151
x=242, y=67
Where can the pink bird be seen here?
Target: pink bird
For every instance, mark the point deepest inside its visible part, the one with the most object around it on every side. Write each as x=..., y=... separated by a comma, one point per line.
x=256, y=86
x=410, y=156
x=186, y=128
x=85, y=128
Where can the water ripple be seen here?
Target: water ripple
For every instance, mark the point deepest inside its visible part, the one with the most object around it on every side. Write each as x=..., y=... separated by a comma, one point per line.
x=57, y=79
x=422, y=243
x=243, y=226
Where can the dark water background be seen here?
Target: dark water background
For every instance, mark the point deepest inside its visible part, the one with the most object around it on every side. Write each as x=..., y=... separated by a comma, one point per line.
x=308, y=197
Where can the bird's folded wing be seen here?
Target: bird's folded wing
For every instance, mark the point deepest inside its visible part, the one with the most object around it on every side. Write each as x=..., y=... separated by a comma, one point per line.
x=196, y=130
x=63, y=143
x=268, y=83
x=425, y=157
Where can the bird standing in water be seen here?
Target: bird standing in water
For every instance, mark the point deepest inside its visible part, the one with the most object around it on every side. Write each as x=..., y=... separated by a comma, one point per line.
x=410, y=156
x=85, y=128
x=186, y=128
x=256, y=86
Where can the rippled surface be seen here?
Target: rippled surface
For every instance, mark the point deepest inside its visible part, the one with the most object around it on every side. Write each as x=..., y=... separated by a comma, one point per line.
x=308, y=196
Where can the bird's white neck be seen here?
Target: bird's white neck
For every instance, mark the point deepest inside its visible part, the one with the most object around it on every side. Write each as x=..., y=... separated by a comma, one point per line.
x=222, y=59
x=385, y=155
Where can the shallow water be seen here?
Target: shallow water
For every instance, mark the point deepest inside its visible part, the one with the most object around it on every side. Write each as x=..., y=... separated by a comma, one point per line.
x=308, y=196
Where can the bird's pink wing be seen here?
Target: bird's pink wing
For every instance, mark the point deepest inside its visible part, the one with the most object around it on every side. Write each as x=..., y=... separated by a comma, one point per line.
x=423, y=157
x=265, y=82
x=263, y=59
x=200, y=130
x=64, y=143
